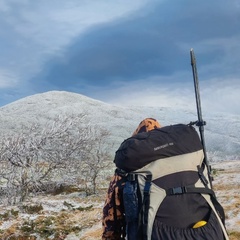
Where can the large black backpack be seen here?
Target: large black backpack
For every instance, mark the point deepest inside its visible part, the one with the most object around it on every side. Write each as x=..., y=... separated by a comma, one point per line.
x=167, y=187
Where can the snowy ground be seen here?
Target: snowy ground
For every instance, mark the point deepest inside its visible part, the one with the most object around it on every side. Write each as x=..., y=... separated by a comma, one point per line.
x=227, y=185
x=74, y=217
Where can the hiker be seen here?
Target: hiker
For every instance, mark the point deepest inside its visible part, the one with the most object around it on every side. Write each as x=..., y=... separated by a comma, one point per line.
x=113, y=211
x=154, y=193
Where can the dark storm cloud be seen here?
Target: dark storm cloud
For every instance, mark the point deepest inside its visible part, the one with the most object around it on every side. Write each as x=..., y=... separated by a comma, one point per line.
x=156, y=43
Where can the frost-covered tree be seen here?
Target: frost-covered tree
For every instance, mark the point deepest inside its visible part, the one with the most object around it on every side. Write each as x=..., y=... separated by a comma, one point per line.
x=96, y=157
x=64, y=149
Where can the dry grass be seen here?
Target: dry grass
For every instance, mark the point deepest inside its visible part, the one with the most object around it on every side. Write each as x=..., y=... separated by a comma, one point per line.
x=72, y=217
x=226, y=186
x=234, y=235
x=61, y=216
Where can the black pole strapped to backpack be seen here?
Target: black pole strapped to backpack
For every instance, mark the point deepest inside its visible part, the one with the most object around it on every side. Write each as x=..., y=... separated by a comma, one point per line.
x=200, y=123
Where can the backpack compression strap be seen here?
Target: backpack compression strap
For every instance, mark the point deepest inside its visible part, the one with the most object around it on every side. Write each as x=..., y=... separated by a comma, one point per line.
x=192, y=189
x=189, y=189
x=204, y=191
x=142, y=231
x=146, y=204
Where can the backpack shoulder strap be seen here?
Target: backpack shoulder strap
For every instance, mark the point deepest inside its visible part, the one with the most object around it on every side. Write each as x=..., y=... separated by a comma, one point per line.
x=214, y=207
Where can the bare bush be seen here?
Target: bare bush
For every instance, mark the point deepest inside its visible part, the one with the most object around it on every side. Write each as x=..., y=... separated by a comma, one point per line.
x=96, y=157
x=61, y=151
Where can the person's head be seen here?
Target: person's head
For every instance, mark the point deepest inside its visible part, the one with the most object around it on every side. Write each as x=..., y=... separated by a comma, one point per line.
x=147, y=125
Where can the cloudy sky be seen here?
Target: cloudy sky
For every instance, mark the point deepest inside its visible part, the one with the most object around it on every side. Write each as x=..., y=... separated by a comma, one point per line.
x=122, y=52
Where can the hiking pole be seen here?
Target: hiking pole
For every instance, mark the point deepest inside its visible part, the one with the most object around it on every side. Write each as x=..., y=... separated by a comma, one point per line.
x=200, y=123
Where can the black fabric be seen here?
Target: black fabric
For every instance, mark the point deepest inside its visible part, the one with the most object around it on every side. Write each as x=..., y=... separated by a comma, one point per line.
x=169, y=141
x=181, y=210
x=185, y=178
x=211, y=231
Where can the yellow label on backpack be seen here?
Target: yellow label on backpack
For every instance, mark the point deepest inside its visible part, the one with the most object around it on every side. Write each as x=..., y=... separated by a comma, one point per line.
x=199, y=224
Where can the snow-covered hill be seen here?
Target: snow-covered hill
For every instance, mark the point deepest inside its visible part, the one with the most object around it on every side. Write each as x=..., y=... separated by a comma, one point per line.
x=222, y=132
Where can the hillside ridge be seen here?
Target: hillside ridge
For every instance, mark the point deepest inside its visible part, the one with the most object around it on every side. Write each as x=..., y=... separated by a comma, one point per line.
x=222, y=131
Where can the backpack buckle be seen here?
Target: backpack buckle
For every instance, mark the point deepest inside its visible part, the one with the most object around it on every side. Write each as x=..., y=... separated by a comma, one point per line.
x=178, y=190
x=131, y=177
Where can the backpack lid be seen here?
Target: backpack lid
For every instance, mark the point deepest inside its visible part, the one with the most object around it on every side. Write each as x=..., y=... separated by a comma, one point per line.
x=145, y=147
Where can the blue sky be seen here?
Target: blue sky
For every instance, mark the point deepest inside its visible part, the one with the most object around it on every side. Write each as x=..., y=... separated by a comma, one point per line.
x=122, y=52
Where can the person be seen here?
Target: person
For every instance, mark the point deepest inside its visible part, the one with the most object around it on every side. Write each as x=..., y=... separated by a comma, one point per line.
x=178, y=216
x=113, y=220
